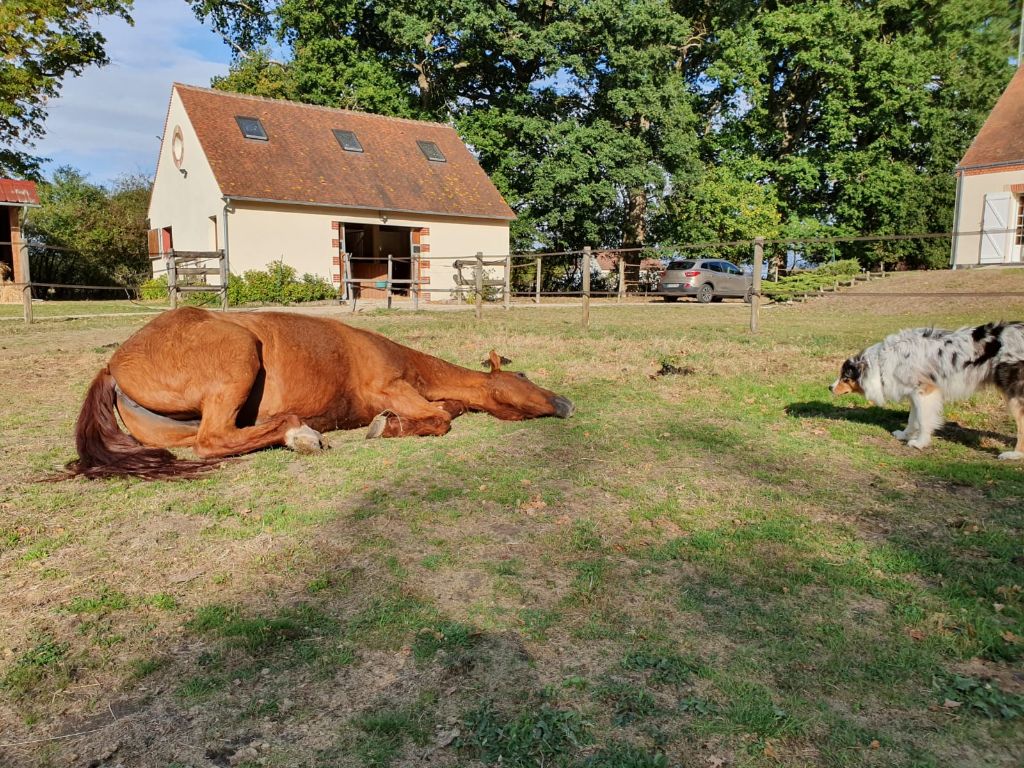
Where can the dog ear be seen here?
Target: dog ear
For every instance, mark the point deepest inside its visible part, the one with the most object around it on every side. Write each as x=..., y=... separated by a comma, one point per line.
x=494, y=361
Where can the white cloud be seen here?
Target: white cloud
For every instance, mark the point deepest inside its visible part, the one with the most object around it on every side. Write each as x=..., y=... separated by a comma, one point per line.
x=107, y=121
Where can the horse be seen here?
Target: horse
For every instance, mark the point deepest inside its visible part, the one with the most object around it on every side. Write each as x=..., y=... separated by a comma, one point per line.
x=225, y=384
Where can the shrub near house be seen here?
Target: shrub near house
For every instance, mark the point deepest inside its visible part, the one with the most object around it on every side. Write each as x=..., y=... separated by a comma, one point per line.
x=276, y=285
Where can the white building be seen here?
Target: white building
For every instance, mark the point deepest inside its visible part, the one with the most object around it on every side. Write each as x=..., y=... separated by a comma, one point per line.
x=315, y=187
x=990, y=187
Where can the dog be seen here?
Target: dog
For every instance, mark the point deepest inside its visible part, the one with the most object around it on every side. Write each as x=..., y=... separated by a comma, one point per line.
x=931, y=366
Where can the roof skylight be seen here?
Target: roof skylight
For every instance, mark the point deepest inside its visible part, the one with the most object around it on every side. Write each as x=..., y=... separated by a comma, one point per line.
x=432, y=152
x=348, y=140
x=251, y=128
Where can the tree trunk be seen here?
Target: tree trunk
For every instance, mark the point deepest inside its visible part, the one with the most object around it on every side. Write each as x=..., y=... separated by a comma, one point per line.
x=634, y=235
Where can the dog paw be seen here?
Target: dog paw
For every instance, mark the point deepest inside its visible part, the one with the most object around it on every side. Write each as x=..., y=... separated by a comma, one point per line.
x=1011, y=456
x=304, y=440
x=901, y=434
x=919, y=444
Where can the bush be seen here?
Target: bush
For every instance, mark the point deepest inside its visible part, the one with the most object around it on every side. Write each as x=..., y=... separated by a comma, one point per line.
x=277, y=285
x=155, y=288
x=807, y=282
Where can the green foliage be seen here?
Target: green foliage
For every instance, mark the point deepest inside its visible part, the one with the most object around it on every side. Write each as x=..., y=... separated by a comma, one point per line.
x=277, y=285
x=43, y=41
x=384, y=731
x=538, y=736
x=86, y=234
x=615, y=123
x=981, y=698
x=624, y=756
x=453, y=637
x=154, y=288
x=824, y=276
x=45, y=659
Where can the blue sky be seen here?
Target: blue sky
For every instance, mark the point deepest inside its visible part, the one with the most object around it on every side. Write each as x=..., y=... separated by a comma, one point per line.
x=107, y=122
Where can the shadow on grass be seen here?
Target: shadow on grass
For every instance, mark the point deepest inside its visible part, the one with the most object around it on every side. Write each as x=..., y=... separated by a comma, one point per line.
x=892, y=420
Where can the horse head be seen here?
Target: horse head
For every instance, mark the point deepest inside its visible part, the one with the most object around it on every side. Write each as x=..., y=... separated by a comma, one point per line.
x=512, y=396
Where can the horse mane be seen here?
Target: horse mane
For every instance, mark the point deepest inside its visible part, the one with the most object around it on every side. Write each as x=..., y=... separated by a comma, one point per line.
x=106, y=451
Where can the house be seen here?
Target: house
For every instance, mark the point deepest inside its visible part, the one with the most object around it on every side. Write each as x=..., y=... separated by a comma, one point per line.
x=988, y=221
x=607, y=265
x=330, y=192
x=16, y=197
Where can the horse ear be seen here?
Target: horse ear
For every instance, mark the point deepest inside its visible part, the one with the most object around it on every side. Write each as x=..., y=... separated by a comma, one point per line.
x=494, y=361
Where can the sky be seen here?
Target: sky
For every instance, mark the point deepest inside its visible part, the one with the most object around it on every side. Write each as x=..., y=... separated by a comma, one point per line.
x=107, y=122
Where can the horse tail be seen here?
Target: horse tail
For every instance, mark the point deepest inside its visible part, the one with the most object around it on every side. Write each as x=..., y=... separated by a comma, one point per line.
x=105, y=451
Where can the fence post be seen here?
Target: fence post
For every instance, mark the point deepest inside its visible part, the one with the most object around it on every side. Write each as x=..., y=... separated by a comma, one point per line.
x=390, y=273
x=622, y=278
x=586, y=287
x=172, y=280
x=26, y=302
x=223, y=264
x=536, y=299
x=415, y=286
x=508, y=281
x=478, y=273
x=755, y=295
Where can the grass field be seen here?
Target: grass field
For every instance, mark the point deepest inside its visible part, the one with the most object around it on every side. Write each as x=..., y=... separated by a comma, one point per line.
x=719, y=567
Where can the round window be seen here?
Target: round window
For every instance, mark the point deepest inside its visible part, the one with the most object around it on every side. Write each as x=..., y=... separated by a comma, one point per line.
x=178, y=147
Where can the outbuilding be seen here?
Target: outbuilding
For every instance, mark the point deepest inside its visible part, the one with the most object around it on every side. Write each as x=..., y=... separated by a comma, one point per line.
x=988, y=222
x=329, y=192
x=16, y=197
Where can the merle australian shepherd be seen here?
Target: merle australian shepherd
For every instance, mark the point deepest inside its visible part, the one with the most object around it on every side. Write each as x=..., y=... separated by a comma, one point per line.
x=931, y=366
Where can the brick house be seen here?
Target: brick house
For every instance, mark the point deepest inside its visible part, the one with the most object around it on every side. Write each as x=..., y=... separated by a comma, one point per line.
x=330, y=192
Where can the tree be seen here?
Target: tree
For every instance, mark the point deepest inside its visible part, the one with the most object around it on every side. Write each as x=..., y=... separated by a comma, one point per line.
x=86, y=234
x=855, y=112
x=41, y=43
x=612, y=122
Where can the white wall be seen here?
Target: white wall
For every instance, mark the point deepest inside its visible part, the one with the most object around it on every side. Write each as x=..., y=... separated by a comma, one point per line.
x=259, y=233
x=971, y=209
x=184, y=202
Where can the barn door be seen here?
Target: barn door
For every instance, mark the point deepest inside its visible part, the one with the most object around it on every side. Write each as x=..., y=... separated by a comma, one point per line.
x=995, y=228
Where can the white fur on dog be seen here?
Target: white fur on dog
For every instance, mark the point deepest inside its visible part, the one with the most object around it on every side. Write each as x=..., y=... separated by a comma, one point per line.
x=930, y=367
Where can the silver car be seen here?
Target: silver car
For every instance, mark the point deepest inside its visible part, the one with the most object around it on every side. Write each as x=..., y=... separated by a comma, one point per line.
x=705, y=279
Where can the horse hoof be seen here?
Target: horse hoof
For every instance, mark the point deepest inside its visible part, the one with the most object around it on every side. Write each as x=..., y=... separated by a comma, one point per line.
x=376, y=428
x=304, y=440
x=919, y=444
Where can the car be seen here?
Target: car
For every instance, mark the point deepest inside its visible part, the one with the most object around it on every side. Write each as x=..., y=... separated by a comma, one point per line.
x=706, y=280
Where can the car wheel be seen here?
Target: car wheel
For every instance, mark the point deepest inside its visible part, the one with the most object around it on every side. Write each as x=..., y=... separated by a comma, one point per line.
x=749, y=295
x=705, y=293
x=671, y=298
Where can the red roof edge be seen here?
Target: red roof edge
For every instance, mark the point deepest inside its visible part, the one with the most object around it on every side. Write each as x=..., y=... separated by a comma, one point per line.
x=13, y=191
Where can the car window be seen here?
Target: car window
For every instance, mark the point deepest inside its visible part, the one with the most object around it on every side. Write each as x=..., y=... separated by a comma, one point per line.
x=732, y=268
x=680, y=265
x=714, y=266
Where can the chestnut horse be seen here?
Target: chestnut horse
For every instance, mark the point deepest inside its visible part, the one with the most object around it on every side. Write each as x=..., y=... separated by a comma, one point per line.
x=227, y=384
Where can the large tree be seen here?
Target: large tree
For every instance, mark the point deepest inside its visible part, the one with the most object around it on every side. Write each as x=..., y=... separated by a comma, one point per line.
x=612, y=122
x=854, y=111
x=41, y=43
x=87, y=234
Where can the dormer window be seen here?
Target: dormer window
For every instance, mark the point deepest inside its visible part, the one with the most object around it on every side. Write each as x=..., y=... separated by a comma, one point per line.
x=348, y=140
x=251, y=128
x=432, y=152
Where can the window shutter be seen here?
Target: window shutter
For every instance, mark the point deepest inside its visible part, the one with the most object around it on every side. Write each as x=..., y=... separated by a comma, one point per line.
x=995, y=228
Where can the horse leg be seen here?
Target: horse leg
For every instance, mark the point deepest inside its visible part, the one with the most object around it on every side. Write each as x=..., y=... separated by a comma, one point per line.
x=405, y=412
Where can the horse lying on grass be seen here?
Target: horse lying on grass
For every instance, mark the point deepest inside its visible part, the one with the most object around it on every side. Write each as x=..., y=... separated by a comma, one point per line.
x=227, y=384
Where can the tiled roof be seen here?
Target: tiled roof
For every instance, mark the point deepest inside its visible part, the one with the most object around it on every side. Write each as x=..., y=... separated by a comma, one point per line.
x=302, y=161
x=14, y=192
x=1001, y=140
